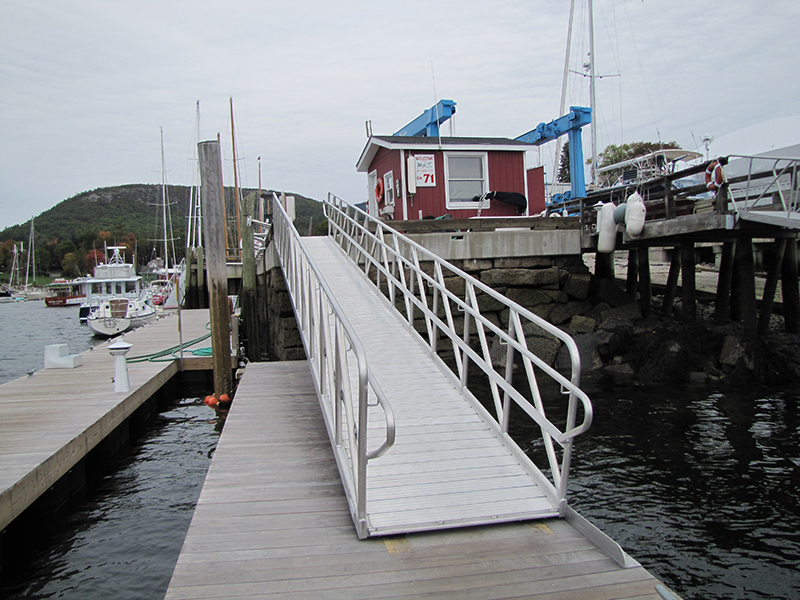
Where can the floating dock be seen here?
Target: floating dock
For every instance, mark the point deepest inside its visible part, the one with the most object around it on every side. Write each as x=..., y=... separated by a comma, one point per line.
x=272, y=521
x=54, y=418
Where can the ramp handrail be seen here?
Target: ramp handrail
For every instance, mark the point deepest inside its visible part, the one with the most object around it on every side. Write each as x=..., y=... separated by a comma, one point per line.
x=392, y=262
x=767, y=177
x=335, y=355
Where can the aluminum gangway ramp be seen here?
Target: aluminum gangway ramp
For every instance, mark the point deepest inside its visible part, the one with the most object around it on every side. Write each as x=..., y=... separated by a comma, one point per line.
x=415, y=448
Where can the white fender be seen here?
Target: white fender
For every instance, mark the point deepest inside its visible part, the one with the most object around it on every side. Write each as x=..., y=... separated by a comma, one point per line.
x=635, y=214
x=606, y=229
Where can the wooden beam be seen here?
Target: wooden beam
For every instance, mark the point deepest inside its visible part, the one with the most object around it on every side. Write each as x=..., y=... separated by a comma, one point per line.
x=688, y=288
x=672, y=282
x=722, y=305
x=789, y=287
x=645, y=291
x=771, y=284
x=214, y=230
x=248, y=293
x=633, y=272
x=745, y=266
x=604, y=265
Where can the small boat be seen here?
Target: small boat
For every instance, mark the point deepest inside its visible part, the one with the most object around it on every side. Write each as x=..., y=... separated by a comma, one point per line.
x=118, y=315
x=160, y=290
x=115, y=279
x=64, y=292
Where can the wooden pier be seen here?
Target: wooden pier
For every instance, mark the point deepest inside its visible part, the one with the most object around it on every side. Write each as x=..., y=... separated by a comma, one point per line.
x=54, y=418
x=273, y=521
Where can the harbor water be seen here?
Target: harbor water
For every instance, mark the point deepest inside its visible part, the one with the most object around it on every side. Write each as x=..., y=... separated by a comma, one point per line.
x=700, y=485
x=27, y=327
x=124, y=541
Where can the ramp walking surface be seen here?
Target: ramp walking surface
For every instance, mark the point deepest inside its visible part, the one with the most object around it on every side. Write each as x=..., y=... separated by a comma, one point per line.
x=447, y=467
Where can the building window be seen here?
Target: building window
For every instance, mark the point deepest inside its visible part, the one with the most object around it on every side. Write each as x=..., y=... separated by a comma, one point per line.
x=467, y=179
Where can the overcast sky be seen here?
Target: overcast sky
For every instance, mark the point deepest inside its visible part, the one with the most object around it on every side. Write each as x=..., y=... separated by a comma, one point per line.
x=86, y=84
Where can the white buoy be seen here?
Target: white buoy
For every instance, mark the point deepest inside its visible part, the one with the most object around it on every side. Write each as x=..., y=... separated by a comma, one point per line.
x=635, y=213
x=606, y=229
x=118, y=350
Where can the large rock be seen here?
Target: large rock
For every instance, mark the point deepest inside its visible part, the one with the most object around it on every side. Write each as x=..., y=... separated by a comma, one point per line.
x=732, y=351
x=631, y=312
x=565, y=312
x=520, y=277
x=581, y=324
x=528, y=297
x=577, y=285
x=587, y=350
x=608, y=291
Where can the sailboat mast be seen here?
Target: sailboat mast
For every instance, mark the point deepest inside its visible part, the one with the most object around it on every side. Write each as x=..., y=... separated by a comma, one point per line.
x=592, y=92
x=29, y=258
x=164, y=198
x=260, y=201
x=564, y=87
x=235, y=178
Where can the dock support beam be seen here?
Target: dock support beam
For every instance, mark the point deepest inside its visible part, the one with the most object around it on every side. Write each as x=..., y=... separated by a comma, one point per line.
x=672, y=282
x=722, y=304
x=214, y=230
x=645, y=289
x=770, y=286
x=688, y=288
x=789, y=287
x=746, y=296
x=248, y=294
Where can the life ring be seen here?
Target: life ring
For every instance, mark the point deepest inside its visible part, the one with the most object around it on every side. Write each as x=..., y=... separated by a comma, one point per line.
x=379, y=191
x=714, y=176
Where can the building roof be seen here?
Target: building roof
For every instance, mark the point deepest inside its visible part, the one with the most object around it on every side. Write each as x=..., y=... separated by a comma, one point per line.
x=398, y=142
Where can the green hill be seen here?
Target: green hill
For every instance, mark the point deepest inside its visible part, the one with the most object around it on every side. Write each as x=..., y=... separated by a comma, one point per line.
x=126, y=214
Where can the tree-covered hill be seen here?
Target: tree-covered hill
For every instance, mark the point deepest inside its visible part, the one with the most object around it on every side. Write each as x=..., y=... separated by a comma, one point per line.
x=122, y=215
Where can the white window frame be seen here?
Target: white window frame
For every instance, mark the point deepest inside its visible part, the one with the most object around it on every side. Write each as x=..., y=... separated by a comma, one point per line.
x=455, y=205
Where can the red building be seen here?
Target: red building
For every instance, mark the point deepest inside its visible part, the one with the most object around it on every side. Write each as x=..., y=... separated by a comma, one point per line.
x=421, y=177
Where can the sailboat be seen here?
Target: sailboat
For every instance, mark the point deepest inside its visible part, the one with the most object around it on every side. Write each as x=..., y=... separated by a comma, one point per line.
x=168, y=287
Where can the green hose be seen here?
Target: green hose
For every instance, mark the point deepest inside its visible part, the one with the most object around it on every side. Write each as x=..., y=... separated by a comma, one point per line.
x=171, y=352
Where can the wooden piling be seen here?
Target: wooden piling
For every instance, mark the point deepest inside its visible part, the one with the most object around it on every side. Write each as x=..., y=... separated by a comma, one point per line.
x=631, y=279
x=604, y=265
x=645, y=290
x=746, y=297
x=688, y=287
x=770, y=286
x=214, y=230
x=248, y=294
x=672, y=282
x=789, y=287
x=722, y=305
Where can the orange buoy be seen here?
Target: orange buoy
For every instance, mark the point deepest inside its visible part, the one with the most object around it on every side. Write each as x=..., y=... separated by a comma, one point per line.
x=211, y=401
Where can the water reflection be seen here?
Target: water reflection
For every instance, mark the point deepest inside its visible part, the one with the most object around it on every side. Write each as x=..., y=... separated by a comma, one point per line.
x=124, y=542
x=701, y=488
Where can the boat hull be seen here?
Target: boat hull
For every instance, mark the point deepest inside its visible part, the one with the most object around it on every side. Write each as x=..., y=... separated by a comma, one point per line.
x=64, y=301
x=118, y=315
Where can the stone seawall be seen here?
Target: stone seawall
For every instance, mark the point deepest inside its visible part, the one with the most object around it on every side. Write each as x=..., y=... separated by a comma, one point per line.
x=612, y=334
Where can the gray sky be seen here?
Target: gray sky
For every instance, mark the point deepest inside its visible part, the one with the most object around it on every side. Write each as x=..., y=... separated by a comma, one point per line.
x=86, y=84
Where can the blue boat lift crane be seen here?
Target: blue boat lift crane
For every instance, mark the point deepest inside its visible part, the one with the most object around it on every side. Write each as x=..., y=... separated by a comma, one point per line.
x=427, y=125
x=570, y=124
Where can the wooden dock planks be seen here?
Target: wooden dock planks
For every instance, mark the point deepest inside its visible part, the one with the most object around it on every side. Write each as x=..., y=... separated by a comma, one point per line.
x=51, y=420
x=272, y=521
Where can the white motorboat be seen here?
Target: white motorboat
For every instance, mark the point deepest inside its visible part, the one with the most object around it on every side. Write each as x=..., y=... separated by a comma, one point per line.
x=118, y=315
x=114, y=279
